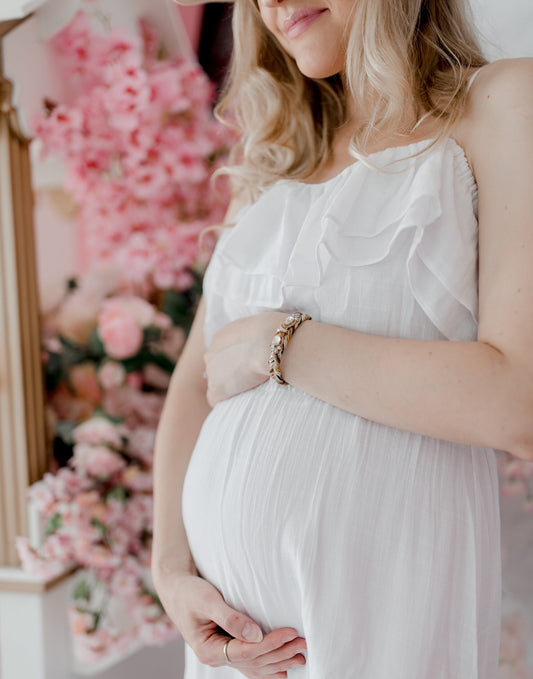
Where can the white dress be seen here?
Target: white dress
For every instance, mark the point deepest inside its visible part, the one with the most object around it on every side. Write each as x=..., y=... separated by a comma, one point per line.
x=380, y=546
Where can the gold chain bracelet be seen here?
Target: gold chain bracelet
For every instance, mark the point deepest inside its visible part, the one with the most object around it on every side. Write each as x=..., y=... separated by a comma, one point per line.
x=280, y=341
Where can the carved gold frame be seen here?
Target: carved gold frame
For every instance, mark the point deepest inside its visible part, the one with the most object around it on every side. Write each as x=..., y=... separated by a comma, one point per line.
x=23, y=453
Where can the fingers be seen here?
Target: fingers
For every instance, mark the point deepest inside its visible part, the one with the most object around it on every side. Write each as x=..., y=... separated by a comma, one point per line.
x=279, y=651
x=274, y=647
x=236, y=624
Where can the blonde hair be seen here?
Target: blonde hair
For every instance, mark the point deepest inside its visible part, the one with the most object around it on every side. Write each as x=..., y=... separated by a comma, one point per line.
x=400, y=52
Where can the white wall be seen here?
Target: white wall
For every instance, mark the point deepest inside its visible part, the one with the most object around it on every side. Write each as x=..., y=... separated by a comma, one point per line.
x=507, y=26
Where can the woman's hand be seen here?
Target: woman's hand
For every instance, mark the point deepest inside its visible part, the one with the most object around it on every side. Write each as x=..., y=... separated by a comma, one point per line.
x=237, y=358
x=199, y=611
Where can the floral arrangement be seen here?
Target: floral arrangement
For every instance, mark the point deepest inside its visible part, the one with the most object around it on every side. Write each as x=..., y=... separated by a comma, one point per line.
x=108, y=356
x=140, y=146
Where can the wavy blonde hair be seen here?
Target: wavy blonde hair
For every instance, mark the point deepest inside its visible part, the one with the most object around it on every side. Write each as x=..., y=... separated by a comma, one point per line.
x=417, y=52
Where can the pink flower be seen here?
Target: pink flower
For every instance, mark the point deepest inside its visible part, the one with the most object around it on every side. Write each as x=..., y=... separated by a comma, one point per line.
x=125, y=584
x=121, y=334
x=135, y=407
x=84, y=381
x=90, y=648
x=111, y=374
x=157, y=632
x=67, y=484
x=156, y=377
x=34, y=564
x=139, y=309
x=172, y=343
x=135, y=479
x=100, y=556
x=57, y=547
x=98, y=461
x=513, y=644
x=77, y=317
x=98, y=430
x=141, y=444
x=135, y=380
x=69, y=407
x=80, y=621
x=87, y=499
x=41, y=494
x=513, y=488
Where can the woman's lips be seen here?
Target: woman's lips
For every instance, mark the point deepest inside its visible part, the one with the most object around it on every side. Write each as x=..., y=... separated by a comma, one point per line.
x=301, y=20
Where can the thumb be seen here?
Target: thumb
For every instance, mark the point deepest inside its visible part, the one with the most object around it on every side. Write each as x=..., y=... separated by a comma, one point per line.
x=235, y=623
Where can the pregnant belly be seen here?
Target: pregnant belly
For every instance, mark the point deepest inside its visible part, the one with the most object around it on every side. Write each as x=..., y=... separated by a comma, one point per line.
x=279, y=480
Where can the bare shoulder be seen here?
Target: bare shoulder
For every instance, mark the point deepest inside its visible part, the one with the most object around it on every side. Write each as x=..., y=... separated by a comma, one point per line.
x=499, y=109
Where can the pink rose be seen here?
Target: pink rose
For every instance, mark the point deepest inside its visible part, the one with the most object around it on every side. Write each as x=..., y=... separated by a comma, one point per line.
x=68, y=407
x=111, y=374
x=98, y=461
x=125, y=584
x=41, y=494
x=136, y=407
x=139, y=309
x=135, y=380
x=77, y=316
x=121, y=334
x=33, y=563
x=141, y=444
x=57, y=547
x=156, y=377
x=98, y=430
x=134, y=478
x=172, y=342
x=83, y=379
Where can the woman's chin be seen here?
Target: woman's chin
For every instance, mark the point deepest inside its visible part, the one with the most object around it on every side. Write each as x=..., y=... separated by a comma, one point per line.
x=317, y=71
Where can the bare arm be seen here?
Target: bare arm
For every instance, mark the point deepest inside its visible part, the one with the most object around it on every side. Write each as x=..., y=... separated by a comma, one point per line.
x=183, y=414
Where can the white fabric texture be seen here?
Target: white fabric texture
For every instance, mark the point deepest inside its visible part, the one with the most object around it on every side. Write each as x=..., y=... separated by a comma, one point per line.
x=380, y=546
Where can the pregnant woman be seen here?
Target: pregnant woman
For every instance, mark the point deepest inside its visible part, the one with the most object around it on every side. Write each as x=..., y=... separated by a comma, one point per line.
x=326, y=491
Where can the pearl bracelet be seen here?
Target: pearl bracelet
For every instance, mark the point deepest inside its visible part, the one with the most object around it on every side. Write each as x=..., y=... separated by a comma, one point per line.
x=280, y=341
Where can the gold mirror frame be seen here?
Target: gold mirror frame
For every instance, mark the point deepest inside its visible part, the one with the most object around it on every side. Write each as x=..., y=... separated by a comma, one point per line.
x=23, y=450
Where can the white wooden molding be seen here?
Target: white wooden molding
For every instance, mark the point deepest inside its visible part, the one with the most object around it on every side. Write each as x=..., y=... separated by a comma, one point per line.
x=22, y=420
x=34, y=634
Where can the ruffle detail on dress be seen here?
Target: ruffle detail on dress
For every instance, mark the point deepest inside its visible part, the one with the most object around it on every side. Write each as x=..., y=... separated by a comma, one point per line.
x=432, y=203
x=287, y=239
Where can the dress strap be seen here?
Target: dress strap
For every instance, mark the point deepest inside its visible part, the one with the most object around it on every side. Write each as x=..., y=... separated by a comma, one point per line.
x=472, y=78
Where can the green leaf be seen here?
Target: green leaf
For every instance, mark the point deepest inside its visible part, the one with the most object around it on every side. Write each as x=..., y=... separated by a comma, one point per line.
x=100, y=412
x=117, y=493
x=96, y=618
x=54, y=523
x=96, y=347
x=64, y=429
x=152, y=333
x=176, y=305
x=53, y=370
x=161, y=361
x=101, y=526
x=72, y=353
x=82, y=591
x=134, y=363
